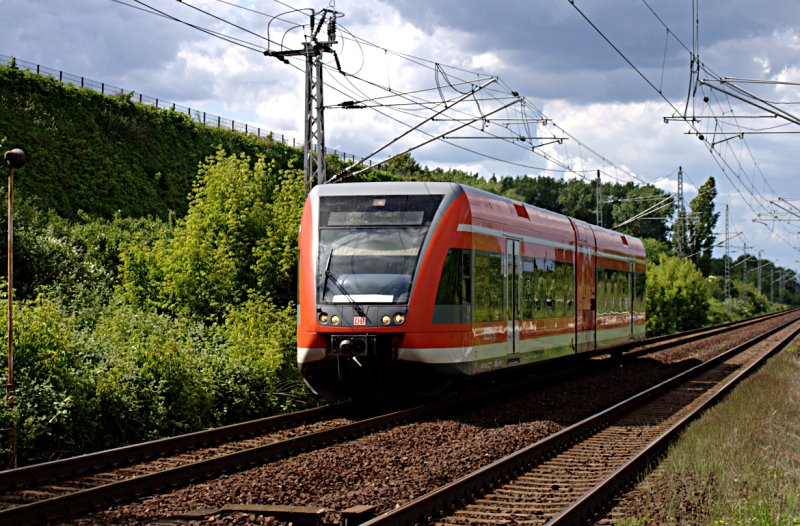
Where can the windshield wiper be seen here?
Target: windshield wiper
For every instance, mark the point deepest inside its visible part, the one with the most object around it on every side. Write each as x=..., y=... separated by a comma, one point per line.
x=329, y=275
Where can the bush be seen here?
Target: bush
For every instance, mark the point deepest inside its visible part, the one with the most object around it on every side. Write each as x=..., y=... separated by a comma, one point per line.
x=677, y=296
x=53, y=399
x=256, y=367
x=150, y=379
x=239, y=235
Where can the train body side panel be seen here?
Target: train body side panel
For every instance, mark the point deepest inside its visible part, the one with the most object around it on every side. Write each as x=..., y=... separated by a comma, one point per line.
x=620, y=288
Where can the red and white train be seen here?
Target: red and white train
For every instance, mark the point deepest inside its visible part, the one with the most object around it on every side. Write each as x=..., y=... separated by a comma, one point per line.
x=406, y=286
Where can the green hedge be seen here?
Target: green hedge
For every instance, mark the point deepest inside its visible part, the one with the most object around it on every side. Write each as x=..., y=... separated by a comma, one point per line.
x=104, y=155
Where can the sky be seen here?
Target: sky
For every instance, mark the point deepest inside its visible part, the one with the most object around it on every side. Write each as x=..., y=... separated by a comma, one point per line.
x=598, y=78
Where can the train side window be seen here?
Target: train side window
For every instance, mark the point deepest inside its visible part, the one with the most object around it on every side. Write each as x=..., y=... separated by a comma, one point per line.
x=558, y=291
x=488, y=286
x=541, y=290
x=599, y=291
x=528, y=288
x=639, y=283
x=455, y=288
x=449, y=292
x=466, y=276
x=568, y=284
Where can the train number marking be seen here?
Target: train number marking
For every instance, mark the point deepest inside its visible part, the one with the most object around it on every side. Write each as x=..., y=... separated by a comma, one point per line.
x=359, y=320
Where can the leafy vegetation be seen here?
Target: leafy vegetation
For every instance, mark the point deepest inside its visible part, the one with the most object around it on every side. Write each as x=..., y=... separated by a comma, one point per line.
x=139, y=328
x=738, y=464
x=677, y=298
x=102, y=155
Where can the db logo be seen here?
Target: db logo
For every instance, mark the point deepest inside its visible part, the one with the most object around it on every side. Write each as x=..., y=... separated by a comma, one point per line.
x=359, y=320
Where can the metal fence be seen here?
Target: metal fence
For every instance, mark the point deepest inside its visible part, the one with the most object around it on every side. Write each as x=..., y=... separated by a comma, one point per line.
x=207, y=119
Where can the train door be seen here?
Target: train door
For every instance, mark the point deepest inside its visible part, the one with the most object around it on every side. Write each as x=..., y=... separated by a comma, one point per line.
x=513, y=284
x=585, y=284
x=631, y=295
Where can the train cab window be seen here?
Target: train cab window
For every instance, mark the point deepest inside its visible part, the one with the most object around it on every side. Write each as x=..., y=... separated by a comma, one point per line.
x=369, y=246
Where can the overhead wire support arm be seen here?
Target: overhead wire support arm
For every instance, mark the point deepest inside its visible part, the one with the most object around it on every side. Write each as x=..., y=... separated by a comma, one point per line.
x=342, y=175
x=446, y=107
x=655, y=208
x=752, y=101
x=510, y=137
x=789, y=211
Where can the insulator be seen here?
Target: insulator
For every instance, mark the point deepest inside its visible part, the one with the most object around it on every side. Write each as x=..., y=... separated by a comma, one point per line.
x=332, y=29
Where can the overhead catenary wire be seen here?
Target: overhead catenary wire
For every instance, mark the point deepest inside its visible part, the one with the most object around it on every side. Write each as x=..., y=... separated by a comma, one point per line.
x=446, y=72
x=696, y=66
x=453, y=77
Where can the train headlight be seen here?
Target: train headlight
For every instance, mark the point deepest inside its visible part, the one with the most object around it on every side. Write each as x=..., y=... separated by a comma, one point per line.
x=323, y=317
x=335, y=319
x=385, y=319
x=399, y=318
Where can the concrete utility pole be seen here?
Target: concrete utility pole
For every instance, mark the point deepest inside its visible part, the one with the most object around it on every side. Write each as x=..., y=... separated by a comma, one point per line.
x=758, y=276
x=680, y=230
x=727, y=259
x=314, y=166
x=599, y=214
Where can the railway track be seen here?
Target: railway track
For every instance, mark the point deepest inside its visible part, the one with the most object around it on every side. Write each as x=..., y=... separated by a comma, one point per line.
x=47, y=491
x=41, y=492
x=568, y=477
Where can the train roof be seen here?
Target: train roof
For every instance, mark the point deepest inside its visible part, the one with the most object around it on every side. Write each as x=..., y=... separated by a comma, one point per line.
x=389, y=188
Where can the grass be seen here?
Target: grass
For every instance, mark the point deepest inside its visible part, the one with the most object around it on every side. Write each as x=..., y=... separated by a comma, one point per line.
x=740, y=463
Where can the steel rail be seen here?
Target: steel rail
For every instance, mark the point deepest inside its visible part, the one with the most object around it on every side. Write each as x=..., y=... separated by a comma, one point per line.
x=597, y=497
x=128, y=454
x=685, y=336
x=48, y=509
x=422, y=508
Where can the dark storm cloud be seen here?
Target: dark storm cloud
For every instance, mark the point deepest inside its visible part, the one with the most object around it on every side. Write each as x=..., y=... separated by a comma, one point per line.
x=554, y=53
x=97, y=39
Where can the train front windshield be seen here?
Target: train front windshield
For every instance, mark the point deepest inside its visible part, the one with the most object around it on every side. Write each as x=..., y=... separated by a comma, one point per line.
x=369, y=246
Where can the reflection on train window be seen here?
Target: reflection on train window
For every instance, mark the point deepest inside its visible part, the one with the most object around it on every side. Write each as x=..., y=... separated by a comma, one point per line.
x=489, y=289
x=614, y=294
x=638, y=293
x=548, y=288
x=454, y=295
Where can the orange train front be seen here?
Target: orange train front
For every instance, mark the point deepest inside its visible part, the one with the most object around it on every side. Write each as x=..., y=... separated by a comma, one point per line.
x=405, y=287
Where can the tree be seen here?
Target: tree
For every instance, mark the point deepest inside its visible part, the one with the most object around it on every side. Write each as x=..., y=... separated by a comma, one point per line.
x=701, y=223
x=238, y=236
x=577, y=199
x=677, y=299
x=637, y=201
x=540, y=191
x=404, y=165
